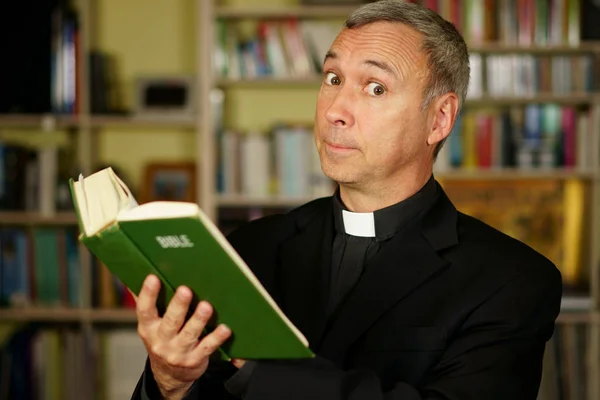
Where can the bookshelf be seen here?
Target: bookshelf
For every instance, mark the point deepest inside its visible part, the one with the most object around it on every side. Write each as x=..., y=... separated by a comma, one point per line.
x=88, y=128
x=583, y=314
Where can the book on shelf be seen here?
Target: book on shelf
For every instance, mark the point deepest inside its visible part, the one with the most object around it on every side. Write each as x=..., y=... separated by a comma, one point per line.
x=55, y=363
x=282, y=162
x=530, y=137
x=177, y=242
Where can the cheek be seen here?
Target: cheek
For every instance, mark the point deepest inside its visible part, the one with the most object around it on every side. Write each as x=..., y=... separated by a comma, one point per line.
x=382, y=129
x=391, y=136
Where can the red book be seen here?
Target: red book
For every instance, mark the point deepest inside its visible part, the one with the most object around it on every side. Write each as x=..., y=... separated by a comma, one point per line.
x=484, y=141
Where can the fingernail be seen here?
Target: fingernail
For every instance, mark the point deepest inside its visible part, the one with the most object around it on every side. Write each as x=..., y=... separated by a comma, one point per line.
x=224, y=329
x=183, y=292
x=151, y=282
x=203, y=308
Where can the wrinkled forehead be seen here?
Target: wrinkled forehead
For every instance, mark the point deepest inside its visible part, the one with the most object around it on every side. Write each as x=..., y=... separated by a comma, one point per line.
x=391, y=42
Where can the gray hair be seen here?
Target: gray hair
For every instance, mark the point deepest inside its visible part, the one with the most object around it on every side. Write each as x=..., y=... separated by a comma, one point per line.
x=446, y=50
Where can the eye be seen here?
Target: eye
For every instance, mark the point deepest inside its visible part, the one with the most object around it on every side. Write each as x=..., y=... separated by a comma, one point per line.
x=376, y=89
x=332, y=79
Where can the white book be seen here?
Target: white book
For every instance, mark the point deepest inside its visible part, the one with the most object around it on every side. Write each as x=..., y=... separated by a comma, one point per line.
x=255, y=172
x=125, y=357
x=230, y=162
x=475, y=89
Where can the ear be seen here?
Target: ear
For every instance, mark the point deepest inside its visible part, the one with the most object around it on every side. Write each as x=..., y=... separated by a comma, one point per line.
x=444, y=112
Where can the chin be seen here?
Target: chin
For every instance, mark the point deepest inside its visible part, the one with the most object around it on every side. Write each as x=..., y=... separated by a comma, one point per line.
x=340, y=173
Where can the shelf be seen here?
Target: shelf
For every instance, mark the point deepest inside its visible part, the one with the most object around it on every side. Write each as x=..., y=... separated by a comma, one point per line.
x=39, y=121
x=274, y=12
x=484, y=101
x=343, y=11
x=49, y=314
x=566, y=99
x=270, y=201
x=514, y=173
x=270, y=81
x=101, y=121
x=239, y=200
x=576, y=303
x=499, y=48
x=40, y=315
x=109, y=315
x=128, y=316
x=578, y=317
x=31, y=218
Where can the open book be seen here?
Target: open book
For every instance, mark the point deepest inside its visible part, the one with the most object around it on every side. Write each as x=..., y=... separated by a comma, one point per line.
x=177, y=242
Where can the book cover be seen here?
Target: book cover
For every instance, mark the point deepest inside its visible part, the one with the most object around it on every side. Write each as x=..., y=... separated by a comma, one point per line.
x=177, y=242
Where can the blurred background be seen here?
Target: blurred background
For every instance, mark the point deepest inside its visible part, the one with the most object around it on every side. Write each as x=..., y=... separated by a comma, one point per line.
x=213, y=102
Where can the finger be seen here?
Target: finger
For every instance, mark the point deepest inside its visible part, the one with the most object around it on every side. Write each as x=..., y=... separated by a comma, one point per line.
x=211, y=342
x=191, y=331
x=238, y=362
x=146, y=303
x=175, y=314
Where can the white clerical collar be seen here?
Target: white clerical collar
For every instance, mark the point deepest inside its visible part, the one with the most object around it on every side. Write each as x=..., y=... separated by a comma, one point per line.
x=359, y=224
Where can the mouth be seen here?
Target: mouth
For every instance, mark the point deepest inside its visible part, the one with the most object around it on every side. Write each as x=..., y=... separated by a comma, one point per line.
x=338, y=147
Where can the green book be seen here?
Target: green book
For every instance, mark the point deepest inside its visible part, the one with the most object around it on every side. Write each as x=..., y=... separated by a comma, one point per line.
x=177, y=242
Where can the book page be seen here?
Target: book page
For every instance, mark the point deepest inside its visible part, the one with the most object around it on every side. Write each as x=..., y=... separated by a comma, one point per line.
x=100, y=197
x=159, y=210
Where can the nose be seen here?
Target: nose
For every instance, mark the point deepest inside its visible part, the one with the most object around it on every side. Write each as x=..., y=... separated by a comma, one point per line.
x=339, y=112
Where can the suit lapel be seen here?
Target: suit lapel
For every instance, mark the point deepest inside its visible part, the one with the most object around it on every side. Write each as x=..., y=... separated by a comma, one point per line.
x=403, y=265
x=305, y=262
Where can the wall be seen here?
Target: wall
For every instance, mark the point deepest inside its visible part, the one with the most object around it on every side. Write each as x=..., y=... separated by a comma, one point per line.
x=158, y=36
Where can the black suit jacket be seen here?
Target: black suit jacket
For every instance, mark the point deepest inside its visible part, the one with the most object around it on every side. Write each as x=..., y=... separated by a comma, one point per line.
x=450, y=308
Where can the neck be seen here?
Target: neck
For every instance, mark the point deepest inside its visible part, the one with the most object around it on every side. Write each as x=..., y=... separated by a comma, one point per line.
x=375, y=196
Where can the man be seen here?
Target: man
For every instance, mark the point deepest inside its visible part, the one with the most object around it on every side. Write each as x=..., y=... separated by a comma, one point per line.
x=400, y=295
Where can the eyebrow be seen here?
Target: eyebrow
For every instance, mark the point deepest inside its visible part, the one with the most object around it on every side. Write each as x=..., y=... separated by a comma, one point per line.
x=330, y=54
x=385, y=67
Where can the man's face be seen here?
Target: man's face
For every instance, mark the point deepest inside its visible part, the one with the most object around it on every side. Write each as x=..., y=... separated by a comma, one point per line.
x=369, y=125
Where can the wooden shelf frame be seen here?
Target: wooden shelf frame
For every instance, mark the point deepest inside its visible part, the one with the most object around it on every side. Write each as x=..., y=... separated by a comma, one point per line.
x=270, y=201
x=68, y=315
x=132, y=121
x=81, y=122
x=589, y=47
x=39, y=121
x=517, y=174
x=277, y=12
x=128, y=316
x=26, y=218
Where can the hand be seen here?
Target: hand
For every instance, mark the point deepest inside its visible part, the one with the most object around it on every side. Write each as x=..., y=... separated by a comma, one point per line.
x=238, y=362
x=177, y=356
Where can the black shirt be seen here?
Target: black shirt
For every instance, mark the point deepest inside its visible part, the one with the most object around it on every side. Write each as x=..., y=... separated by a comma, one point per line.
x=359, y=236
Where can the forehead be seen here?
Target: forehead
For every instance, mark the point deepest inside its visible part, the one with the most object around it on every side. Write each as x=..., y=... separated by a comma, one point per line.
x=393, y=42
